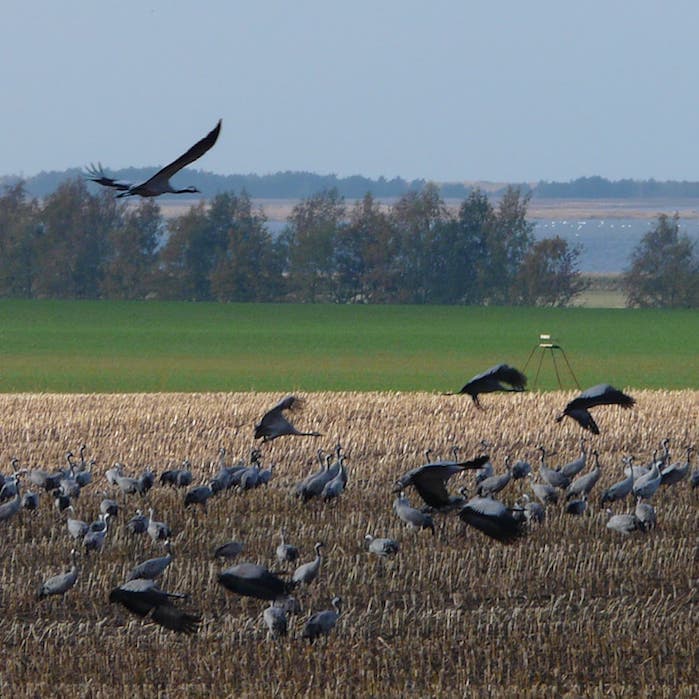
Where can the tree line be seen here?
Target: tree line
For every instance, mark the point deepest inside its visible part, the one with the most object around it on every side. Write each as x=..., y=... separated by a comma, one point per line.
x=298, y=185
x=78, y=244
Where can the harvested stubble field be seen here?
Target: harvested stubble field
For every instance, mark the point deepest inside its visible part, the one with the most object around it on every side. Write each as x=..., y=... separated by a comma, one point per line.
x=571, y=610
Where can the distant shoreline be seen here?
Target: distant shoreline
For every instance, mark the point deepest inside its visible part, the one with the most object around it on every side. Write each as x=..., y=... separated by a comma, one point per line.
x=280, y=209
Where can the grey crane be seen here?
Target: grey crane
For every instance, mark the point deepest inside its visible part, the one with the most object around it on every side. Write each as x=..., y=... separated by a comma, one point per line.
x=275, y=620
x=94, y=540
x=322, y=623
x=620, y=489
x=198, y=496
x=306, y=573
x=274, y=424
x=157, y=531
x=624, y=523
x=674, y=473
x=584, y=484
x=492, y=380
x=521, y=469
x=250, y=477
x=30, y=500
x=491, y=517
x=76, y=527
x=61, y=583
x=44, y=479
x=413, y=517
x=645, y=514
x=229, y=550
x=312, y=485
x=160, y=182
x=336, y=485
x=551, y=475
x=382, y=547
x=60, y=501
x=647, y=485
x=138, y=524
x=603, y=394
x=430, y=481
x=496, y=482
x=577, y=507
x=10, y=508
x=253, y=580
x=114, y=472
x=180, y=477
x=572, y=468
x=286, y=553
x=153, y=567
x=109, y=505
x=532, y=511
x=145, y=599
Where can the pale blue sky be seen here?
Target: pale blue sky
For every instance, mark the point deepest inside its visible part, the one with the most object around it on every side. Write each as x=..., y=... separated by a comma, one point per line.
x=445, y=90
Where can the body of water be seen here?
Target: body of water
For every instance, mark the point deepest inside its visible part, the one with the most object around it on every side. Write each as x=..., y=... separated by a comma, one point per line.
x=606, y=244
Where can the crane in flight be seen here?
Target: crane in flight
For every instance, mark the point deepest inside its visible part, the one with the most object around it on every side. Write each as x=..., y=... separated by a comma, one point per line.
x=160, y=182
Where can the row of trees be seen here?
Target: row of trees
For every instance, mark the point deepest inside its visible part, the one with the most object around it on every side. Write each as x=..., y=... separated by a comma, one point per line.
x=76, y=244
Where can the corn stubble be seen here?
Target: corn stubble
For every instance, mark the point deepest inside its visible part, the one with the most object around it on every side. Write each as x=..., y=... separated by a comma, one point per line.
x=573, y=609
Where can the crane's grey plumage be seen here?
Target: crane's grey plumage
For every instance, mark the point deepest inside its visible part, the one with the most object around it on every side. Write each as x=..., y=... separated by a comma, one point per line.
x=144, y=598
x=30, y=501
x=306, y=573
x=412, y=516
x=160, y=182
x=602, y=394
x=492, y=518
x=76, y=527
x=645, y=514
x=496, y=482
x=674, y=473
x=138, y=524
x=336, y=485
x=577, y=507
x=620, y=489
x=61, y=583
x=647, y=485
x=286, y=553
x=582, y=485
x=551, y=475
x=198, y=496
x=157, y=531
x=274, y=424
x=624, y=523
x=430, y=481
x=322, y=623
x=10, y=508
x=153, y=567
x=572, y=468
x=275, y=620
x=229, y=550
x=253, y=580
x=493, y=379
x=382, y=547
x=94, y=540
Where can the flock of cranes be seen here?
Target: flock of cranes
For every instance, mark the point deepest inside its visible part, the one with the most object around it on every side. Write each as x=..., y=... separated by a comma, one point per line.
x=571, y=483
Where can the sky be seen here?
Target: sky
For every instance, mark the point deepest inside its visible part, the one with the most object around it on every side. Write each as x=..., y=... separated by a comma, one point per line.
x=445, y=90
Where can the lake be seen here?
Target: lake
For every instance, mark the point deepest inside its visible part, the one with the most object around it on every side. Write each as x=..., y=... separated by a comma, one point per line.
x=606, y=244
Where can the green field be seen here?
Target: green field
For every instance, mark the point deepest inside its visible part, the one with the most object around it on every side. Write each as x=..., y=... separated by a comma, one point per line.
x=105, y=346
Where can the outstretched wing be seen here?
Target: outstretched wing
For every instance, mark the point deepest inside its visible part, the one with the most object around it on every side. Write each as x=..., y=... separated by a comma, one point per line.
x=96, y=174
x=194, y=153
x=582, y=417
x=510, y=375
x=490, y=378
x=602, y=394
x=492, y=518
x=430, y=480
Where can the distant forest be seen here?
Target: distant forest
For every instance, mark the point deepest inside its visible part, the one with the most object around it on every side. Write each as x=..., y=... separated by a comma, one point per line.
x=299, y=185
